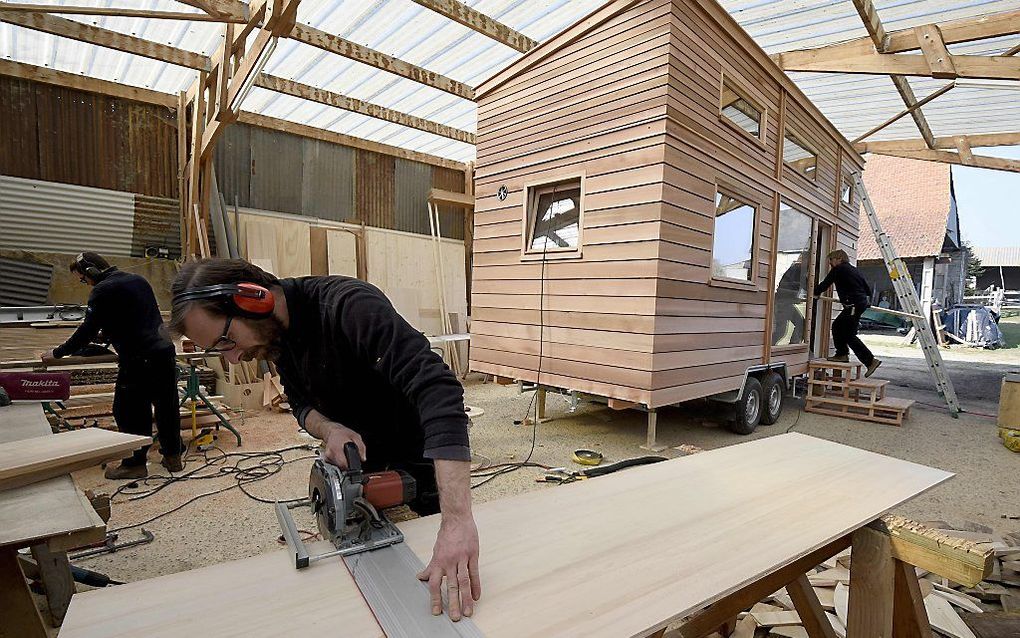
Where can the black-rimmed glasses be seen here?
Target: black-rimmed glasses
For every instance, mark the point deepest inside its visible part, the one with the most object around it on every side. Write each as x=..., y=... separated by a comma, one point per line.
x=224, y=343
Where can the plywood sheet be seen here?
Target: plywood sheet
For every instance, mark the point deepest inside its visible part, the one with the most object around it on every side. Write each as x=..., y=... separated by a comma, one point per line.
x=282, y=242
x=50, y=509
x=342, y=253
x=399, y=261
x=41, y=457
x=260, y=596
x=662, y=547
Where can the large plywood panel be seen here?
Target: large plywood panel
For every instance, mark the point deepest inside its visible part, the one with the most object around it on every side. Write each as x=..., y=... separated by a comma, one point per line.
x=671, y=551
x=342, y=251
x=402, y=266
x=280, y=243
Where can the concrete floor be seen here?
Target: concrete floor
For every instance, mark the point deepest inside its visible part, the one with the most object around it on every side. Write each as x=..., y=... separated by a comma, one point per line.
x=230, y=525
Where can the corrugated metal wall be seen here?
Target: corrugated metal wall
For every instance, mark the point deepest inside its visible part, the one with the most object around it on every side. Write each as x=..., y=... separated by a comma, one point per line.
x=63, y=218
x=24, y=283
x=271, y=170
x=157, y=225
x=62, y=135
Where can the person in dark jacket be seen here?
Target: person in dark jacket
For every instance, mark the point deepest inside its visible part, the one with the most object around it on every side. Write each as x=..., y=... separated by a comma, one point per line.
x=123, y=306
x=354, y=372
x=855, y=295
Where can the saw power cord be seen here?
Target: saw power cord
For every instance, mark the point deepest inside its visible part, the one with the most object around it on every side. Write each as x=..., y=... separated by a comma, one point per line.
x=248, y=467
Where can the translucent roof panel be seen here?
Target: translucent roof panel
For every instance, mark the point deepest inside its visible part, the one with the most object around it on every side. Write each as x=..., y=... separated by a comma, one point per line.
x=405, y=29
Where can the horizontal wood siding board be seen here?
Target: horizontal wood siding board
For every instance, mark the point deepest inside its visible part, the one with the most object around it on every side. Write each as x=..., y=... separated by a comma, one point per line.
x=581, y=301
x=622, y=26
x=633, y=395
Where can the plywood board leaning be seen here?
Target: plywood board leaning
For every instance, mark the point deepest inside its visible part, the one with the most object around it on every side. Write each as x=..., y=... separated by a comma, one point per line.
x=42, y=457
x=342, y=253
x=671, y=550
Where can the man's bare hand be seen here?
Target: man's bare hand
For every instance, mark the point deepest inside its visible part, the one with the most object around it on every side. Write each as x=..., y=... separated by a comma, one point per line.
x=47, y=357
x=455, y=559
x=336, y=438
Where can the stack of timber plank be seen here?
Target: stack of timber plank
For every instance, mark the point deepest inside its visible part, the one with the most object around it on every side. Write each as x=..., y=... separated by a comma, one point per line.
x=987, y=609
x=839, y=389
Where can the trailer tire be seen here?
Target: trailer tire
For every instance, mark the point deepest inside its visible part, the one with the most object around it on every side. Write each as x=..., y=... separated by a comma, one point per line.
x=748, y=408
x=773, y=391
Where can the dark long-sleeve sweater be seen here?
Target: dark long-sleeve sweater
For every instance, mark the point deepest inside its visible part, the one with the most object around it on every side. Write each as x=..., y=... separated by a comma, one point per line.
x=348, y=354
x=124, y=307
x=851, y=287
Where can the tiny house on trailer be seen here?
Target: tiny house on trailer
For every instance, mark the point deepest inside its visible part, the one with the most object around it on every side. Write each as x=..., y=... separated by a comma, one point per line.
x=654, y=202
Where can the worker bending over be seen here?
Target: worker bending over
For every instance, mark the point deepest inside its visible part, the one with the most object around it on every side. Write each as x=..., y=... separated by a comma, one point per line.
x=124, y=307
x=354, y=371
x=855, y=295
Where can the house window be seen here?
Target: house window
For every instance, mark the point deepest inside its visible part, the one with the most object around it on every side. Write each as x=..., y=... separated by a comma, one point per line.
x=846, y=194
x=793, y=260
x=740, y=110
x=799, y=156
x=554, y=217
x=733, y=238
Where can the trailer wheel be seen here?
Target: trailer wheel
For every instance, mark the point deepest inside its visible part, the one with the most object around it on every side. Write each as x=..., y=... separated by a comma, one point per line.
x=773, y=390
x=748, y=408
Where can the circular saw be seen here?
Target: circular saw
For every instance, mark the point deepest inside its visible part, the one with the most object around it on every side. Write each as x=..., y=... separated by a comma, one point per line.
x=348, y=507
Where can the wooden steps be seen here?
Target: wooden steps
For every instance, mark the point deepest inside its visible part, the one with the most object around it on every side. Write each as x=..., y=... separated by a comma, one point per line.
x=839, y=389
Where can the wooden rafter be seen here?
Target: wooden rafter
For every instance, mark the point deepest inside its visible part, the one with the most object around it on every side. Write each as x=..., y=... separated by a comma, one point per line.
x=336, y=44
x=962, y=159
x=905, y=112
x=880, y=38
x=106, y=38
x=117, y=11
x=944, y=143
x=478, y=21
x=84, y=83
x=322, y=96
x=234, y=9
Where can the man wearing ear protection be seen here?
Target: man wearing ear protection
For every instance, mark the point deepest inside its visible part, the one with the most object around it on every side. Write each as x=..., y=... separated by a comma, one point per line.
x=354, y=372
x=124, y=307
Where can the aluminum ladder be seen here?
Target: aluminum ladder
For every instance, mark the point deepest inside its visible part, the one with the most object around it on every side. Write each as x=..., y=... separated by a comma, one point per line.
x=907, y=295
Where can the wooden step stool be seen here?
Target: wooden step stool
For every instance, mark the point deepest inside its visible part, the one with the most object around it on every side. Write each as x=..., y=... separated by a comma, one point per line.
x=839, y=389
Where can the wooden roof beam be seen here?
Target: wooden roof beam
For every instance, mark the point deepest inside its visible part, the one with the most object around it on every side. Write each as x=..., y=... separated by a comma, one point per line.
x=478, y=21
x=335, y=44
x=944, y=143
x=948, y=157
x=869, y=14
x=967, y=66
x=84, y=83
x=106, y=38
x=235, y=9
x=117, y=12
x=322, y=96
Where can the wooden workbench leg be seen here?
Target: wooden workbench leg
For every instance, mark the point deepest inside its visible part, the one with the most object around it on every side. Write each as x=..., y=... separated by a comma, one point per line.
x=812, y=616
x=872, y=579
x=910, y=618
x=55, y=573
x=540, y=407
x=21, y=618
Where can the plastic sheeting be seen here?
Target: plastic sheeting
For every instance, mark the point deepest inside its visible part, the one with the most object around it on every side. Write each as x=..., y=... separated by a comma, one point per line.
x=975, y=325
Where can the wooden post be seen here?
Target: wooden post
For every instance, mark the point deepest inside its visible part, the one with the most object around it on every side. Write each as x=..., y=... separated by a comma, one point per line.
x=870, y=610
x=812, y=616
x=540, y=407
x=21, y=619
x=55, y=573
x=182, y=166
x=910, y=619
x=469, y=230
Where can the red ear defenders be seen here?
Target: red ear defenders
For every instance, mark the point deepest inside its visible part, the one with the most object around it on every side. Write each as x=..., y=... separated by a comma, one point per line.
x=242, y=299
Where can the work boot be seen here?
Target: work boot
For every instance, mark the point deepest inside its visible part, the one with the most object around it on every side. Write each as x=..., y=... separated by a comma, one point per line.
x=122, y=471
x=839, y=358
x=172, y=462
x=874, y=366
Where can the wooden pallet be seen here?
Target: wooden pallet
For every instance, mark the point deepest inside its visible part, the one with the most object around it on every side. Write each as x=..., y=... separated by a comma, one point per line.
x=838, y=389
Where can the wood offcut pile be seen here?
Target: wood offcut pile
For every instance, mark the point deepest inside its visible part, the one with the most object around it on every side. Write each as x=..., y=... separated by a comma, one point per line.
x=990, y=609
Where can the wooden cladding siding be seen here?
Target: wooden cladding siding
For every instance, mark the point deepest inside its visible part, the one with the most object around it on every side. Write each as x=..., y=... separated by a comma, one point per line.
x=634, y=106
x=57, y=134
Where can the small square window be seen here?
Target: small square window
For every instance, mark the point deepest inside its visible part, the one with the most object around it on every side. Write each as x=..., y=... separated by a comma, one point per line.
x=733, y=238
x=799, y=156
x=554, y=217
x=740, y=111
x=846, y=194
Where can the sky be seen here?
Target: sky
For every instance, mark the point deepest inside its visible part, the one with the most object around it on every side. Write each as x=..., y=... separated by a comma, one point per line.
x=989, y=201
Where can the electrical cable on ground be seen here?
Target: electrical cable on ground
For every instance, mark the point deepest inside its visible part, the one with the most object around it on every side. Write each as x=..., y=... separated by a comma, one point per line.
x=266, y=464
